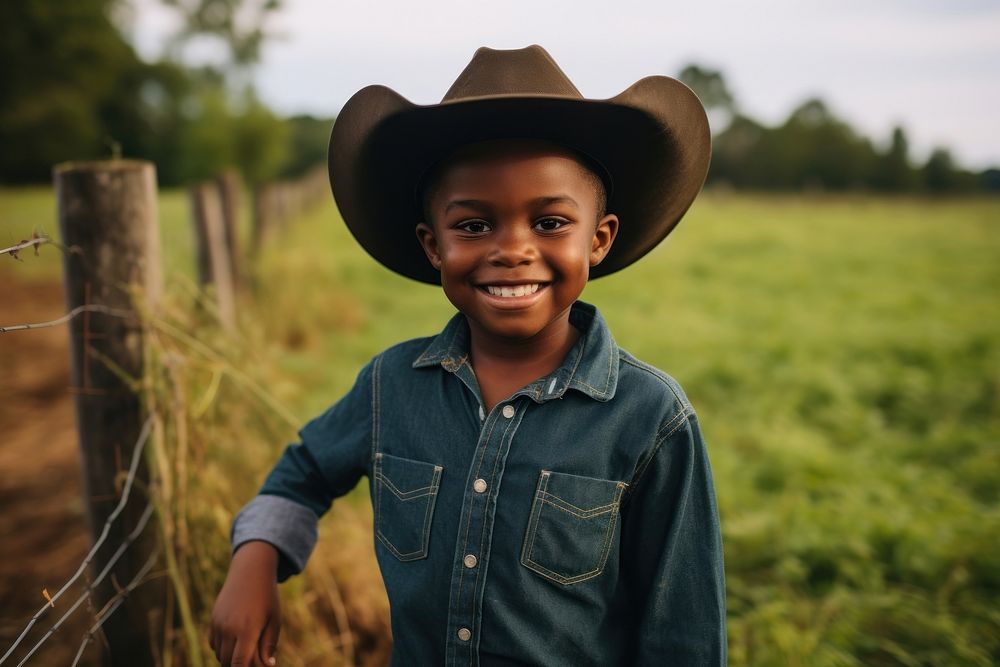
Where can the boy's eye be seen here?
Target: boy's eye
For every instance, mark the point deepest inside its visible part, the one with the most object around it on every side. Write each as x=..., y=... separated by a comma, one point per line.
x=474, y=226
x=550, y=224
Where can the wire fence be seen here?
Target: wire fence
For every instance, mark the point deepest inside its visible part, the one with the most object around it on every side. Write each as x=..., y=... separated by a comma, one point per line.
x=279, y=203
x=112, y=605
x=35, y=241
x=91, y=308
x=119, y=597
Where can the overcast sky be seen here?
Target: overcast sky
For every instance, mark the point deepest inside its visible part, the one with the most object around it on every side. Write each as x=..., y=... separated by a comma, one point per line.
x=934, y=67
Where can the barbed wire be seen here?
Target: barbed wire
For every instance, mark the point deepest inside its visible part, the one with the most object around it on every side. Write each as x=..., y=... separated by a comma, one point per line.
x=126, y=489
x=113, y=604
x=35, y=240
x=148, y=512
x=94, y=308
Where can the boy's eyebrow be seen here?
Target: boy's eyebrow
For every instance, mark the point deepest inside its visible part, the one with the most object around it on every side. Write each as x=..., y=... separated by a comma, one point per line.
x=474, y=204
x=481, y=206
x=557, y=199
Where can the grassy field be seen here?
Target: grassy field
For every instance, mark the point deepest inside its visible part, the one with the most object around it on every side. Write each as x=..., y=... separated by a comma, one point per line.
x=843, y=354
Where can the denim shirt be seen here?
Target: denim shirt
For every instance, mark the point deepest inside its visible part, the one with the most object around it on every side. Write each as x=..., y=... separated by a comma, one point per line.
x=575, y=523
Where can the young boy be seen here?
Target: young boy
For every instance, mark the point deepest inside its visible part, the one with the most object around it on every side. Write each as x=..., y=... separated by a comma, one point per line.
x=540, y=496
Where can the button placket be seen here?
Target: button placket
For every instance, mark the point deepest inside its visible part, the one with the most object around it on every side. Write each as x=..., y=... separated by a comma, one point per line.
x=472, y=551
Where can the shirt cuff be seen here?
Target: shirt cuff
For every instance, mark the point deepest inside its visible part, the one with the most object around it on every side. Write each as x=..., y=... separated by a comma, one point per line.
x=285, y=524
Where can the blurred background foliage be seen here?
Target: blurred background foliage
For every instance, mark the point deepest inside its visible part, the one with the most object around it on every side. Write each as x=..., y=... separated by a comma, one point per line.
x=815, y=150
x=74, y=88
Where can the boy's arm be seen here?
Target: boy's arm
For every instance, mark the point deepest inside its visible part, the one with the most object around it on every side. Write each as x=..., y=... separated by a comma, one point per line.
x=672, y=553
x=332, y=455
x=274, y=534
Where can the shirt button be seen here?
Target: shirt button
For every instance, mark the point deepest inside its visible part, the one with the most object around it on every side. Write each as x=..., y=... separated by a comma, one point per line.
x=508, y=411
x=479, y=485
x=470, y=561
x=464, y=634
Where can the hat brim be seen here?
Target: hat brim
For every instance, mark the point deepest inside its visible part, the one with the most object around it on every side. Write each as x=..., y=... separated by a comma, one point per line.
x=653, y=139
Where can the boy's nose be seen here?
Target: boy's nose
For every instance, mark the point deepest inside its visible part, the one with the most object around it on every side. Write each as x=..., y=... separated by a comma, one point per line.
x=512, y=247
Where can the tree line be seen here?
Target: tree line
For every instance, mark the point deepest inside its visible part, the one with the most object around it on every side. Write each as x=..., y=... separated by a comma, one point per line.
x=74, y=88
x=814, y=150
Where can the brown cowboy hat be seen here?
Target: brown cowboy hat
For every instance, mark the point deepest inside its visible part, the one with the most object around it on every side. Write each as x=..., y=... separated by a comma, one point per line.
x=651, y=141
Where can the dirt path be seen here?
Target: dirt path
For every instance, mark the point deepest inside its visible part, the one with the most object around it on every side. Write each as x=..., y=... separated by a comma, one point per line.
x=43, y=532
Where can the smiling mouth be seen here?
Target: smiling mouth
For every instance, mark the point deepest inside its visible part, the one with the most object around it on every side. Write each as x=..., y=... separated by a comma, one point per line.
x=510, y=291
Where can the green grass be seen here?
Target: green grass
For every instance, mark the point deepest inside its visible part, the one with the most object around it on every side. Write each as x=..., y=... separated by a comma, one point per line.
x=26, y=210
x=843, y=354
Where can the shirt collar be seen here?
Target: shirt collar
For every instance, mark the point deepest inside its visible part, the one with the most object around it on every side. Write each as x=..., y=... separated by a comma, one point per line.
x=590, y=367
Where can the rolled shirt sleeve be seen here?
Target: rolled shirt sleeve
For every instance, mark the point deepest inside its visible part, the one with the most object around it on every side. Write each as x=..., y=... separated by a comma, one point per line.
x=285, y=524
x=333, y=453
x=672, y=535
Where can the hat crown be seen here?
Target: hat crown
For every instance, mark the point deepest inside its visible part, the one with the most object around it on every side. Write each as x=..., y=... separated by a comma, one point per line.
x=527, y=71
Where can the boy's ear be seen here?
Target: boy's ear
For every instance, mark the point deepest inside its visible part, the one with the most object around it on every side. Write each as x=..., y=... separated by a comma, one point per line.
x=425, y=234
x=604, y=236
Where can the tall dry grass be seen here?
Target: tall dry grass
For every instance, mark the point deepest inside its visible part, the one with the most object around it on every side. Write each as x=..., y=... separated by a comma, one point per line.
x=220, y=404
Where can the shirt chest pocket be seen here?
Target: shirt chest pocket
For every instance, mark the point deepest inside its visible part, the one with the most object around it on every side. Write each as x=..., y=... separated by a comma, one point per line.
x=572, y=526
x=404, y=496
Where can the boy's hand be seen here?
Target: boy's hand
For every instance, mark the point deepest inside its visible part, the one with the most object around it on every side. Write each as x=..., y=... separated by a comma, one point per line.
x=246, y=619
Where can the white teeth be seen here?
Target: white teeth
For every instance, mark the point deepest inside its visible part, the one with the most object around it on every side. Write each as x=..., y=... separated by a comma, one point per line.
x=512, y=290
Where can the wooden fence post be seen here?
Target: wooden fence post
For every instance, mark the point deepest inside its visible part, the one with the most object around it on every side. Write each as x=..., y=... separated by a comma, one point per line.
x=277, y=203
x=263, y=215
x=212, y=252
x=231, y=192
x=108, y=220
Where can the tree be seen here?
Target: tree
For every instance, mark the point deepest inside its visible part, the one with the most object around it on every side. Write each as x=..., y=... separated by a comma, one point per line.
x=239, y=24
x=261, y=141
x=710, y=87
x=735, y=154
x=64, y=90
x=939, y=174
x=231, y=122
x=815, y=149
x=73, y=89
x=309, y=139
x=989, y=180
x=893, y=172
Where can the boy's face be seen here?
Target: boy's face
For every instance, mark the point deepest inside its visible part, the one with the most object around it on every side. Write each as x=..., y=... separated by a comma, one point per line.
x=515, y=232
